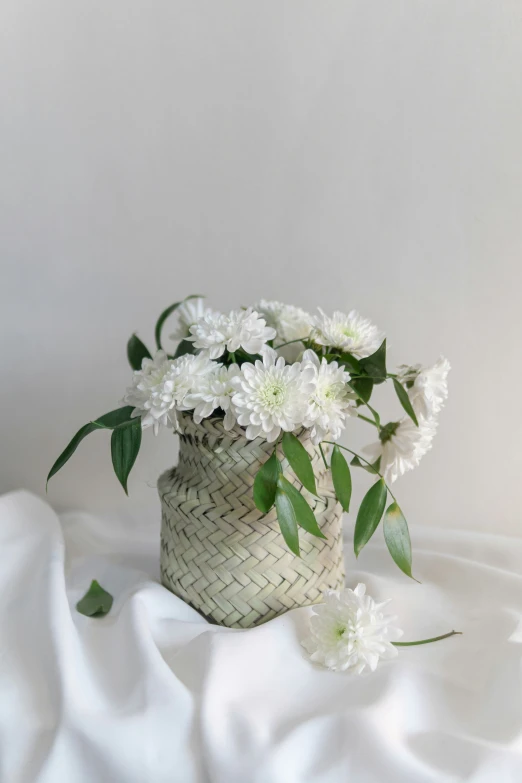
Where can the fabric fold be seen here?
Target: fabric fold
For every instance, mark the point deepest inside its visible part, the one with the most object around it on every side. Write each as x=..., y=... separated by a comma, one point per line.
x=151, y=692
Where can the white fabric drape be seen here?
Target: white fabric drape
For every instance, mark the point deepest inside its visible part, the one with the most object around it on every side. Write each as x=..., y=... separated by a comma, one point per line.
x=152, y=694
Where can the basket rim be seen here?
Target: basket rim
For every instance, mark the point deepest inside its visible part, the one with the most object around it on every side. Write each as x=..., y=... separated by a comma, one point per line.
x=213, y=427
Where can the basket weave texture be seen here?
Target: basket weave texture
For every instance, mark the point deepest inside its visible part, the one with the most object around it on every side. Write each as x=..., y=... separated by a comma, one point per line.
x=219, y=553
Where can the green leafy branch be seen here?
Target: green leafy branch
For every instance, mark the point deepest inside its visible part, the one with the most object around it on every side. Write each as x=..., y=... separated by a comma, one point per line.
x=371, y=510
x=272, y=488
x=125, y=442
x=368, y=372
x=126, y=430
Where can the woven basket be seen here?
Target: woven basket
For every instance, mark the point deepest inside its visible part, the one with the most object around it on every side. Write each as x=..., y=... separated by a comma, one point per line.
x=223, y=556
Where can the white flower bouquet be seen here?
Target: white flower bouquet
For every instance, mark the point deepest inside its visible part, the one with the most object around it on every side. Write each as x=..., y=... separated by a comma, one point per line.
x=273, y=370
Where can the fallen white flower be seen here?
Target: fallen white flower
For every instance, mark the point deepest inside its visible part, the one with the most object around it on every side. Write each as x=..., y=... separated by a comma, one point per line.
x=349, y=631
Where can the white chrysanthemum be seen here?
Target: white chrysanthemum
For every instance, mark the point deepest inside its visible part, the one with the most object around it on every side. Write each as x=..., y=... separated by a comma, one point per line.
x=210, y=334
x=349, y=631
x=428, y=387
x=188, y=314
x=248, y=331
x=211, y=391
x=290, y=323
x=240, y=329
x=161, y=386
x=402, y=446
x=351, y=333
x=145, y=392
x=271, y=396
x=331, y=401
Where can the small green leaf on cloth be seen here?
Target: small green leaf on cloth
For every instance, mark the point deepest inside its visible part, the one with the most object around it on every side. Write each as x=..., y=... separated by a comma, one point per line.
x=300, y=461
x=304, y=515
x=287, y=520
x=125, y=445
x=404, y=400
x=397, y=537
x=341, y=477
x=265, y=484
x=96, y=602
x=137, y=352
x=369, y=516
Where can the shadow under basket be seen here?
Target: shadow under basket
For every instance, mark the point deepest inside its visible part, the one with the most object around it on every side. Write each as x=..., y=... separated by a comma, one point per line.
x=223, y=556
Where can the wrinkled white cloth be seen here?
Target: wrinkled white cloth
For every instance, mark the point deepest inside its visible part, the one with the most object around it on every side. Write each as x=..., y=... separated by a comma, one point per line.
x=153, y=694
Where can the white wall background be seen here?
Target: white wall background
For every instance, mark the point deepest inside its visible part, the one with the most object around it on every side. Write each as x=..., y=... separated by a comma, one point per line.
x=349, y=154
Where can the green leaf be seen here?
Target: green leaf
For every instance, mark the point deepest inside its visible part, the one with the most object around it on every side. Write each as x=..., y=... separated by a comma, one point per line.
x=397, y=537
x=96, y=602
x=165, y=314
x=125, y=445
x=300, y=461
x=116, y=418
x=184, y=347
x=136, y=352
x=71, y=448
x=287, y=520
x=265, y=484
x=350, y=362
x=304, y=515
x=242, y=357
x=373, y=468
x=369, y=516
x=375, y=414
x=375, y=365
x=341, y=477
x=404, y=400
x=363, y=387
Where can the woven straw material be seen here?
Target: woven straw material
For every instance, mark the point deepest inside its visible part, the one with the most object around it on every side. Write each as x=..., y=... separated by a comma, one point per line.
x=223, y=556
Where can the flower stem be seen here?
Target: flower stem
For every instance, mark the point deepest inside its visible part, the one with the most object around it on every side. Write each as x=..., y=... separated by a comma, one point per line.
x=322, y=455
x=370, y=421
x=290, y=342
x=354, y=377
x=331, y=442
x=375, y=415
x=427, y=641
